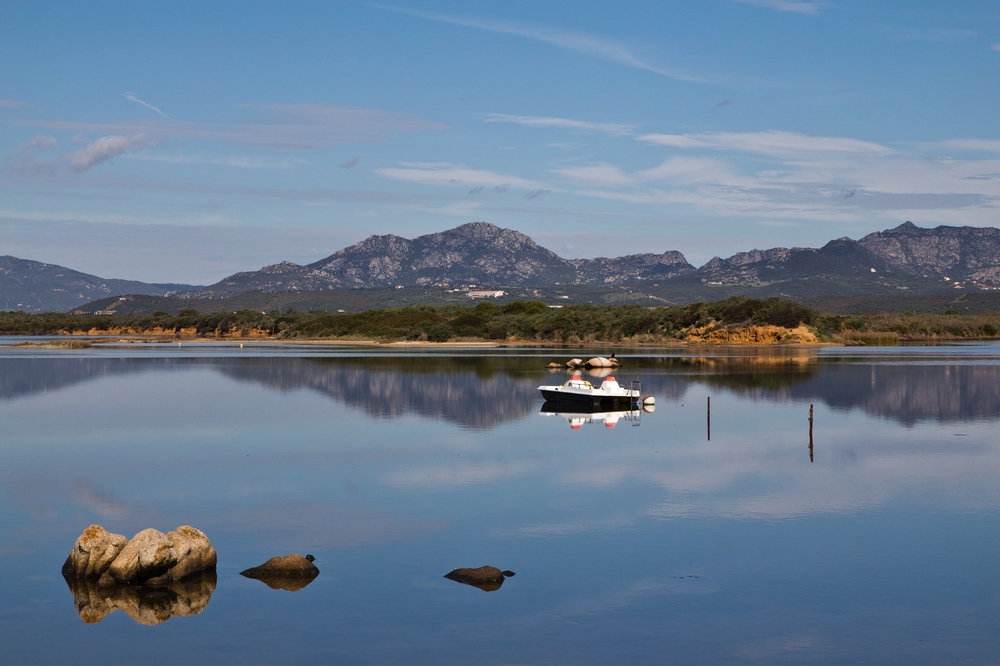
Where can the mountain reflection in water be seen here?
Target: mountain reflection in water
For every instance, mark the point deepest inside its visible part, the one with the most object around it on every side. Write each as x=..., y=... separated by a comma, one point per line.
x=483, y=391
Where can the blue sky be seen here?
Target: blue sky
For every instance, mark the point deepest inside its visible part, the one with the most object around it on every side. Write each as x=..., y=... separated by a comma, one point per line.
x=183, y=141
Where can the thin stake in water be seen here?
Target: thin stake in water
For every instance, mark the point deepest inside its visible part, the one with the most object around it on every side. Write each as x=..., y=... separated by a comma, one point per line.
x=810, y=432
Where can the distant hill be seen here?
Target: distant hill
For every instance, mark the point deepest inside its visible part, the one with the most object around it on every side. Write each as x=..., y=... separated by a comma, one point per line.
x=475, y=253
x=905, y=259
x=905, y=262
x=942, y=257
x=32, y=286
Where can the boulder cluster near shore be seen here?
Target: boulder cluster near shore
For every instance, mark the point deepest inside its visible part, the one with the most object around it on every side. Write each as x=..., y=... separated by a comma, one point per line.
x=580, y=364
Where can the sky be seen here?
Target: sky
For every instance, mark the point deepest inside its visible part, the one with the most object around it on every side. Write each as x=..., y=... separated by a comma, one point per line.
x=185, y=141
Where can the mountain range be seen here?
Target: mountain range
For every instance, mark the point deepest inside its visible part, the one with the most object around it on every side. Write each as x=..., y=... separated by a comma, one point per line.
x=33, y=286
x=907, y=260
x=477, y=253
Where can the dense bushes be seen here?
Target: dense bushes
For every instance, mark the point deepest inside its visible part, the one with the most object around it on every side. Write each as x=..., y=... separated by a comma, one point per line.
x=524, y=320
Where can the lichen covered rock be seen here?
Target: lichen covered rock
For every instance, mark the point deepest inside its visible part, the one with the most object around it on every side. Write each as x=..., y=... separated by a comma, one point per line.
x=93, y=553
x=148, y=554
x=150, y=557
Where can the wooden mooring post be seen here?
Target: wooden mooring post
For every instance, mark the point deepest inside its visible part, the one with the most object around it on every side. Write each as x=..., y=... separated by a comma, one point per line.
x=810, y=433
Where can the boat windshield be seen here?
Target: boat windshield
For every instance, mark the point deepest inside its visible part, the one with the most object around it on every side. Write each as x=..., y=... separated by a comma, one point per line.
x=578, y=383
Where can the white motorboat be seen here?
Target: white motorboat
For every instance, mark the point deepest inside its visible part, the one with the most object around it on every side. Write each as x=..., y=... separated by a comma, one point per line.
x=578, y=391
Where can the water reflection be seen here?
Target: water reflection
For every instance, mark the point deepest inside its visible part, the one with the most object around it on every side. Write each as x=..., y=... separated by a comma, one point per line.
x=577, y=417
x=483, y=392
x=145, y=604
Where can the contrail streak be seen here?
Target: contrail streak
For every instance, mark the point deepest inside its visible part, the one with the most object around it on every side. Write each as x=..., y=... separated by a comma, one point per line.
x=132, y=98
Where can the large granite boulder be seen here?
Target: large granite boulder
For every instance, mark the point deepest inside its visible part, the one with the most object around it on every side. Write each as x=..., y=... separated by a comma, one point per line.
x=486, y=578
x=150, y=557
x=93, y=553
x=149, y=554
x=193, y=552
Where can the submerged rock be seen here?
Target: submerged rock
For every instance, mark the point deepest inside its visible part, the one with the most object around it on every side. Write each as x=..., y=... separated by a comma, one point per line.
x=486, y=578
x=293, y=565
x=93, y=553
x=149, y=605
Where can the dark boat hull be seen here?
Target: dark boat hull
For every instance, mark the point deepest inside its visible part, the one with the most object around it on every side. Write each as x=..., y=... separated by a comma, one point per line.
x=567, y=398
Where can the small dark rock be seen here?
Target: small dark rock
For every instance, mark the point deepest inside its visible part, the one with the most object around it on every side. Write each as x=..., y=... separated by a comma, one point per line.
x=289, y=565
x=486, y=578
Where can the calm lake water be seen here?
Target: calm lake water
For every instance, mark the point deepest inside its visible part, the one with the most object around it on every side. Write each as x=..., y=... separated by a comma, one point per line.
x=646, y=542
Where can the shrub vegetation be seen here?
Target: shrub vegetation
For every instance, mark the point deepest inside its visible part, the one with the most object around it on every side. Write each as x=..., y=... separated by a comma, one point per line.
x=520, y=320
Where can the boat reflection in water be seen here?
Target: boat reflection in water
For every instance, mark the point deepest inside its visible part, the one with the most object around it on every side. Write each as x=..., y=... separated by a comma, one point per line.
x=577, y=415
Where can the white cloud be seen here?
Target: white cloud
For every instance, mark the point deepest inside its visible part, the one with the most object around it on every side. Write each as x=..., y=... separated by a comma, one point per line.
x=132, y=98
x=12, y=104
x=23, y=159
x=776, y=176
x=602, y=174
x=571, y=41
x=108, y=147
x=240, y=162
x=562, y=123
x=451, y=175
x=810, y=8
x=772, y=142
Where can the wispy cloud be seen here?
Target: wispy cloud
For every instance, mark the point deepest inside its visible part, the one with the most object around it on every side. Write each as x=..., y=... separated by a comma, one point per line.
x=534, y=194
x=774, y=176
x=108, y=147
x=562, y=123
x=276, y=127
x=240, y=162
x=132, y=98
x=772, y=142
x=996, y=47
x=12, y=104
x=24, y=159
x=349, y=163
x=974, y=145
x=810, y=8
x=452, y=175
x=598, y=47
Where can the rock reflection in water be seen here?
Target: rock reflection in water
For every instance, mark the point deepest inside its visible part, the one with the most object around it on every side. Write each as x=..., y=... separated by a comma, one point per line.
x=287, y=583
x=145, y=604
